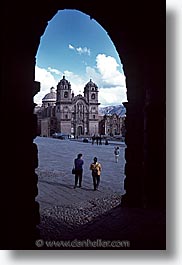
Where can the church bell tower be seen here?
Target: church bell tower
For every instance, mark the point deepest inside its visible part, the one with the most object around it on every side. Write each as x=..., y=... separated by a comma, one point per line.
x=64, y=91
x=91, y=95
x=63, y=106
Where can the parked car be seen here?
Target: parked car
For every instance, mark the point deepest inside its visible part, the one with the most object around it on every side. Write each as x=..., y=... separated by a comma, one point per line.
x=85, y=140
x=61, y=136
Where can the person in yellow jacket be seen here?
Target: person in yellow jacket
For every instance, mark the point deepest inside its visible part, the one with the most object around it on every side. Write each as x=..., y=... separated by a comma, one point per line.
x=96, y=172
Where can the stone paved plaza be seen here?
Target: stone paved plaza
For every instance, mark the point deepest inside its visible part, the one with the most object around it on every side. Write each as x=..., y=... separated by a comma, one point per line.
x=82, y=214
x=55, y=164
x=64, y=208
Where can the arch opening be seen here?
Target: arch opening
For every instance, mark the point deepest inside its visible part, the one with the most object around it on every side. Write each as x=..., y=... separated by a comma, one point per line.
x=67, y=114
x=142, y=51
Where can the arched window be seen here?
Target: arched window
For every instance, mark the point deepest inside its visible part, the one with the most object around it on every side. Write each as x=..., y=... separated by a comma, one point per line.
x=93, y=96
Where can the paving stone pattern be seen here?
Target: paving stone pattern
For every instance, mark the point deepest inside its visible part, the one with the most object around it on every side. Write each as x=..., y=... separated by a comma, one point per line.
x=70, y=216
x=65, y=208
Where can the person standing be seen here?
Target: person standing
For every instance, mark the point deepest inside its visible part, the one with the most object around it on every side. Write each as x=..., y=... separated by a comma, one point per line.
x=96, y=172
x=116, y=153
x=78, y=164
x=93, y=139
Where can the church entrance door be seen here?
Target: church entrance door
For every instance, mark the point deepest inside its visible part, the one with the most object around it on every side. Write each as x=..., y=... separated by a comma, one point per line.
x=80, y=130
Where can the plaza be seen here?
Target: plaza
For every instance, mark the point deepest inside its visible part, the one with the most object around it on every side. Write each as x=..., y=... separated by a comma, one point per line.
x=71, y=216
x=56, y=162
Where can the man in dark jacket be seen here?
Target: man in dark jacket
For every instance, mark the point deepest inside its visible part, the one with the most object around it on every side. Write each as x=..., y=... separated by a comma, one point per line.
x=78, y=163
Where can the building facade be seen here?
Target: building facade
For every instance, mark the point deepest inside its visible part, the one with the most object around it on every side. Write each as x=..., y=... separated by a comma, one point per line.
x=63, y=112
x=112, y=125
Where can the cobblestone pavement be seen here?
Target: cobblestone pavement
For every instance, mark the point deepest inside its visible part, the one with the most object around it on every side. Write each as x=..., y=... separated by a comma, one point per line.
x=55, y=165
x=85, y=214
x=74, y=207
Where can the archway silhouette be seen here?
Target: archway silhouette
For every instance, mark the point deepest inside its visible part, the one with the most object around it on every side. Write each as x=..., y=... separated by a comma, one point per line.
x=50, y=195
x=140, y=48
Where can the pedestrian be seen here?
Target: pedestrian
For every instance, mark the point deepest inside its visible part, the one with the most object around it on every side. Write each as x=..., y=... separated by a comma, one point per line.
x=97, y=139
x=93, y=139
x=78, y=165
x=100, y=140
x=116, y=153
x=106, y=142
x=96, y=172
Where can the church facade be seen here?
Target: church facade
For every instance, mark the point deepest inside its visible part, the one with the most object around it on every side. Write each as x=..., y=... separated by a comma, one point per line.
x=63, y=112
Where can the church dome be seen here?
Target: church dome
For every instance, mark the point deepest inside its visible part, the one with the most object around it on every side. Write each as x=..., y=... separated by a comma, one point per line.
x=63, y=82
x=50, y=97
x=91, y=85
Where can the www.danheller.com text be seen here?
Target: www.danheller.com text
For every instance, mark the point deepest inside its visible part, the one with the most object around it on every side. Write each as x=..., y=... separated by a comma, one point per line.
x=87, y=243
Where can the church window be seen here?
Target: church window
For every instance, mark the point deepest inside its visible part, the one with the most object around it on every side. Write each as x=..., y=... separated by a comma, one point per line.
x=93, y=96
x=65, y=109
x=66, y=94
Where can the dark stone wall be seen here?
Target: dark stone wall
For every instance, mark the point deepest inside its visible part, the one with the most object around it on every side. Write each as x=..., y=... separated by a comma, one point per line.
x=137, y=30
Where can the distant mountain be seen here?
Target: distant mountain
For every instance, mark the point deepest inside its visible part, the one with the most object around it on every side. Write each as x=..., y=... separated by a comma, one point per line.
x=120, y=110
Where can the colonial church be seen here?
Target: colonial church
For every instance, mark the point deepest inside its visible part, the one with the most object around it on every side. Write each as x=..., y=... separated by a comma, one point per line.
x=63, y=112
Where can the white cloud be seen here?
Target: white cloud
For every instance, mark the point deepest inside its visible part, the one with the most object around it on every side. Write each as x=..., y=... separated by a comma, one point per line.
x=77, y=82
x=112, y=96
x=108, y=69
x=110, y=81
x=55, y=71
x=91, y=73
x=46, y=80
x=80, y=50
x=71, y=47
x=85, y=50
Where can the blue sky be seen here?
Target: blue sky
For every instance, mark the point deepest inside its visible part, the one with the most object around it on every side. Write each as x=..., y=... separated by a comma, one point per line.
x=79, y=48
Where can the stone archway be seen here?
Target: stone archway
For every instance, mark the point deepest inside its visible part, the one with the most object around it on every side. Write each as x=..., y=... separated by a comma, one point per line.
x=139, y=40
x=79, y=130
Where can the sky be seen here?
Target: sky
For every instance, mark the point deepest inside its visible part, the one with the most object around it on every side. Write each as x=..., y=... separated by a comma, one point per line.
x=79, y=48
